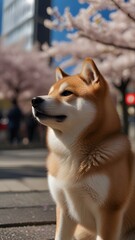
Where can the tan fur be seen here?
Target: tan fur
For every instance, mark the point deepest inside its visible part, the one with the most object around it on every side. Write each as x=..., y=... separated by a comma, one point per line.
x=90, y=164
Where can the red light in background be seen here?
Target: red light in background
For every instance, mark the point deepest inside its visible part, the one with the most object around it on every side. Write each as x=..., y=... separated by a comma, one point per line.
x=130, y=98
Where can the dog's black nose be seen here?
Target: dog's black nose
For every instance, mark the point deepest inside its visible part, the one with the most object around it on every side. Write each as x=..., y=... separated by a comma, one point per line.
x=36, y=101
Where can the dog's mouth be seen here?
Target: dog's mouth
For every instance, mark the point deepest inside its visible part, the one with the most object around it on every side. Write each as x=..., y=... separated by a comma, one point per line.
x=42, y=115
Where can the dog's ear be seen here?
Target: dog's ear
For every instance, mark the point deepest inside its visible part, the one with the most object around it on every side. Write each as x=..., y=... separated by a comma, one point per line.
x=90, y=72
x=60, y=74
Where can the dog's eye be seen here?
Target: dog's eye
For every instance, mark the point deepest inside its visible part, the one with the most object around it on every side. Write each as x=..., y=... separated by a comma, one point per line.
x=66, y=93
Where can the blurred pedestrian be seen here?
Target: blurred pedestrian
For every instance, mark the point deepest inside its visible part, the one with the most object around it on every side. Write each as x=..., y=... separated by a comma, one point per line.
x=14, y=120
x=31, y=125
x=1, y=115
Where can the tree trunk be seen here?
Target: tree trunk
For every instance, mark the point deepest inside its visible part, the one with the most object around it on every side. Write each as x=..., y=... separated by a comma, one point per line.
x=122, y=87
x=124, y=113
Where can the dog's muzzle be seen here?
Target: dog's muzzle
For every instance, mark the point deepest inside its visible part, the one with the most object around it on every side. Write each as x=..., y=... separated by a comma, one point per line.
x=39, y=105
x=36, y=101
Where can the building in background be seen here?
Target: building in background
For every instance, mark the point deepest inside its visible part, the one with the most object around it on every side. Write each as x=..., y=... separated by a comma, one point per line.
x=1, y=3
x=23, y=21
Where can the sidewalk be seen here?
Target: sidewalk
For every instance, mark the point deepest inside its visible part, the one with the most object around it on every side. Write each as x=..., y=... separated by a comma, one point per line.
x=27, y=211
x=23, y=170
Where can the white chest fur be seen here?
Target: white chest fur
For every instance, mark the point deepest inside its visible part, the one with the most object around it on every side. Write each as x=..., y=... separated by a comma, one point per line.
x=82, y=199
x=98, y=187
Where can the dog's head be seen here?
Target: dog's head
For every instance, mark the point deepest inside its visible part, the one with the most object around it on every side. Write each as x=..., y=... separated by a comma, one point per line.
x=73, y=100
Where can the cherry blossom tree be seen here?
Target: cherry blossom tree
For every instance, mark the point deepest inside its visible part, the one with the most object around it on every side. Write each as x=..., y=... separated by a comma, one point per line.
x=110, y=42
x=23, y=75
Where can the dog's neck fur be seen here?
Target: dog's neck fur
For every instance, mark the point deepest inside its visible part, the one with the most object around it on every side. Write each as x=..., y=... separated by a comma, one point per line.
x=108, y=124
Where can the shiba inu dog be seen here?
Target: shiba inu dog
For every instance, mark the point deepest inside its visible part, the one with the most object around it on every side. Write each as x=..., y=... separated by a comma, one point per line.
x=90, y=164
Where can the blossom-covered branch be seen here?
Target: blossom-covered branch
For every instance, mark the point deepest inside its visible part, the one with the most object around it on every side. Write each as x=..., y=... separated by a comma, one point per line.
x=109, y=41
x=124, y=10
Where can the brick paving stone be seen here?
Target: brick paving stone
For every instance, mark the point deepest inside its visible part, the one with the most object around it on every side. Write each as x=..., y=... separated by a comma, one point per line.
x=26, y=208
x=13, y=185
x=25, y=184
x=39, y=184
x=44, y=232
x=27, y=216
x=25, y=199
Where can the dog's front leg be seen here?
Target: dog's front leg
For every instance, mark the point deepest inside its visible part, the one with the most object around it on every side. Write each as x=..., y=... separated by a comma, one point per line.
x=65, y=226
x=109, y=225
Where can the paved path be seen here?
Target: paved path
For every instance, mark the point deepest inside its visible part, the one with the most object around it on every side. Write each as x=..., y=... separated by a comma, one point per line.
x=23, y=170
x=27, y=211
